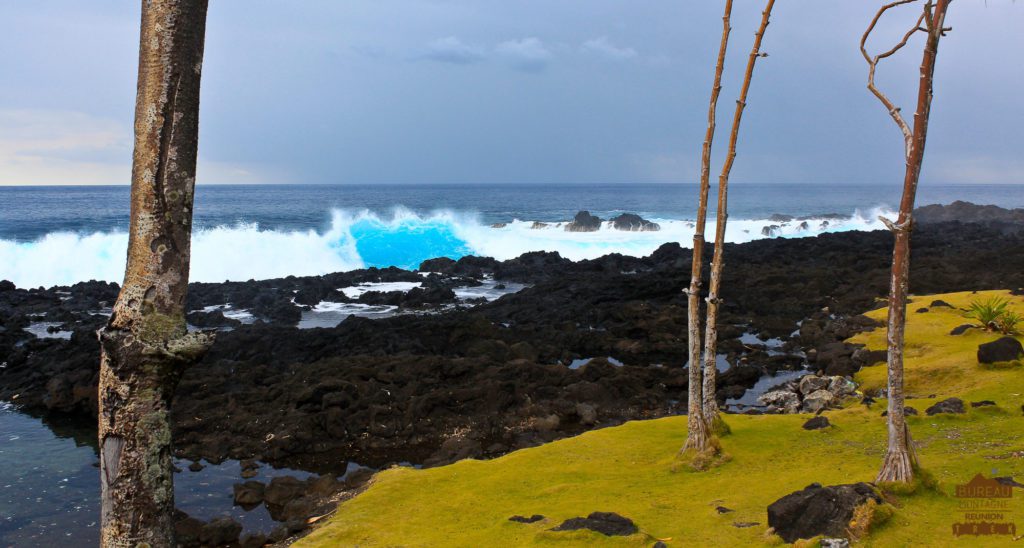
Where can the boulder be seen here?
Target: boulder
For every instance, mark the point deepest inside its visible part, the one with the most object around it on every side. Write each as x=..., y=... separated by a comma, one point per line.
x=940, y=302
x=780, y=400
x=606, y=523
x=813, y=383
x=950, y=405
x=818, y=510
x=283, y=490
x=841, y=387
x=817, y=401
x=817, y=423
x=1006, y=349
x=634, y=223
x=220, y=532
x=584, y=222
x=249, y=493
x=587, y=413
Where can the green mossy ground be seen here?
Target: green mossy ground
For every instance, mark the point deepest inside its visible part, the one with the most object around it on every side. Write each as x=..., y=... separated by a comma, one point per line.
x=628, y=469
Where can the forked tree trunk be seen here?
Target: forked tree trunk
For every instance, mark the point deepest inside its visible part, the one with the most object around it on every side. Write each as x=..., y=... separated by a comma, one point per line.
x=900, y=460
x=697, y=434
x=145, y=346
x=722, y=215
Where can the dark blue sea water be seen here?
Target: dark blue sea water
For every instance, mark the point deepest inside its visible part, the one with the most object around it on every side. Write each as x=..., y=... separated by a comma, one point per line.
x=60, y=235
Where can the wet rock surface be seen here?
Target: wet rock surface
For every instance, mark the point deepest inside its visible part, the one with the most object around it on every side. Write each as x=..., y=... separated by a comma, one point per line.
x=447, y=381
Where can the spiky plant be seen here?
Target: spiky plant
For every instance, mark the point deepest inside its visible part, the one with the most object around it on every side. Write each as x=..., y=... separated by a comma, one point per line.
x=988, y=313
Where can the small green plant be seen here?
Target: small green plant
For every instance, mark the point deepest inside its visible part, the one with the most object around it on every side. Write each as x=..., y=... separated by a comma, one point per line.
x=989, y=312
x=1009, y=321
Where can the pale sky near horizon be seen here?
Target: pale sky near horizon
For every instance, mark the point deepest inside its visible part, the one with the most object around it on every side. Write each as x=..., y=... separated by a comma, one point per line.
x=525, y=91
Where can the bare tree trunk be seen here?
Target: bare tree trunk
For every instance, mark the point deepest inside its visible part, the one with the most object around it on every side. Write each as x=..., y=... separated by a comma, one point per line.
x=900, y=459
x=145, y=346
x=722, y=215
x=697, y=436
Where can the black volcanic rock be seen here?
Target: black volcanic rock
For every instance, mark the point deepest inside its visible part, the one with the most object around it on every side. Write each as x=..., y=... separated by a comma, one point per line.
x=634, y=223
x=584, y=222
x=1005, y=349
x=606, y=523
x=817, y=510
x=967, y=212
x=950, y=405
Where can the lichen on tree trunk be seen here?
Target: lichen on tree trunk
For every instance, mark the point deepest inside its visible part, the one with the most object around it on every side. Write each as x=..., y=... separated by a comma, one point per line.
x=900, y=460
x=697, y=436
x=710, y=400
x=145, y=346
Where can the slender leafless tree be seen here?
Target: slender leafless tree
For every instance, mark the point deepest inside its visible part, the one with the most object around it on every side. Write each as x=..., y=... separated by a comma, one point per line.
x=145, y=345
x=722, y=215
x=697, y=434
x=900, y=459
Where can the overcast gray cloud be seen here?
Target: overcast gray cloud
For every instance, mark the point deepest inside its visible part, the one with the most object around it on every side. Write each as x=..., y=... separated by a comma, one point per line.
x=451, y=50
x=532, y=91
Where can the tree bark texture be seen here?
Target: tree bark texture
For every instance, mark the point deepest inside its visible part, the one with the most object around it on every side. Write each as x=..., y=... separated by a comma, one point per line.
x=899, y=462
x=710, y=401
x=145, y=346
x=697, y=437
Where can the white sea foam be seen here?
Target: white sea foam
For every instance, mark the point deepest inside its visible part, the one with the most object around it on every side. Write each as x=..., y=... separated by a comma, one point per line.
x=361, y=239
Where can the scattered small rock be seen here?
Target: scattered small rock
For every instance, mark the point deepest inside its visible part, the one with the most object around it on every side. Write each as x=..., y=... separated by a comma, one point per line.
x=834, y=543
x=1006, y=349
x=744, y=524
x=907, y=411
x=982, y=403
x=606, y=523
x=940, y=302
x=922, y=310
x=196, y=466
x=723, y=509
x=961, y=329
x=1008, y=480
x=659, y=544
x=949, y=405
x=523, y=519
x=817, y=423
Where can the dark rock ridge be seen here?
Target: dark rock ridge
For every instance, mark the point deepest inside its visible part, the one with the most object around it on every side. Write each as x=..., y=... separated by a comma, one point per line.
x=966, y=212
x=584, y=222
x=817, y=510
x=396, y=389
x=634, y=223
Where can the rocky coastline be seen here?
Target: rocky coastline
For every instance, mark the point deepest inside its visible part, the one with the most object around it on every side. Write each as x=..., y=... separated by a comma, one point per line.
x=444, y=377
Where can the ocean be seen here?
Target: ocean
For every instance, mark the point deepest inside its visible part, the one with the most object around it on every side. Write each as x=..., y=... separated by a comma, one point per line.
x=61, y=235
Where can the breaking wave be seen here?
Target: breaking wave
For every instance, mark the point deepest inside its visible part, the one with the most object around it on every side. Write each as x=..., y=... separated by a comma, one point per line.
x=362, y=239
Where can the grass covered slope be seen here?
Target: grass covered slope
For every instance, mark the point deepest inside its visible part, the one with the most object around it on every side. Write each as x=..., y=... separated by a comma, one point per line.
x=629, y=469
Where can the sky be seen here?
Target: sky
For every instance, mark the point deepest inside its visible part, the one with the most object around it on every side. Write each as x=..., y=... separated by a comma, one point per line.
x=513, y=91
